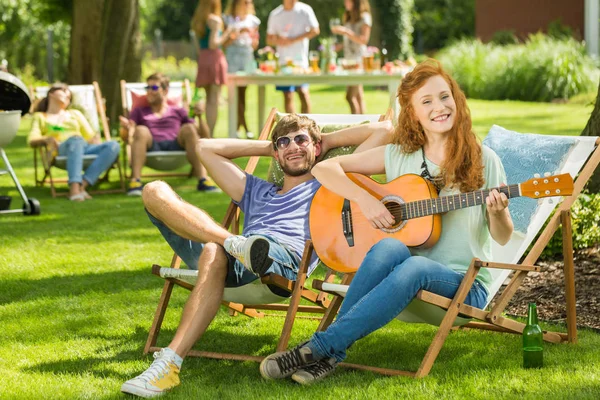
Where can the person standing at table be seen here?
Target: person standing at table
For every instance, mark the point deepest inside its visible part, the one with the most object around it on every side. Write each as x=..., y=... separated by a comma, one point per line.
x=239, y=48
x=290, y=27
x=212, y=65
x=356, y=32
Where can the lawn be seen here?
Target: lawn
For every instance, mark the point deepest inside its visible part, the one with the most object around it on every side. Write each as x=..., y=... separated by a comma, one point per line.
x=77, y=300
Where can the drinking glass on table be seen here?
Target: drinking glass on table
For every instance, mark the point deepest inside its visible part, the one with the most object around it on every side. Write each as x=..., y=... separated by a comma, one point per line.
x=313, y=58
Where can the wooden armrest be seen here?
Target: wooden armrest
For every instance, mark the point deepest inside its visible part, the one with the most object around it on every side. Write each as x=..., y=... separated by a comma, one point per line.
x=317, y=284
x=514, y=267
x=279, y=281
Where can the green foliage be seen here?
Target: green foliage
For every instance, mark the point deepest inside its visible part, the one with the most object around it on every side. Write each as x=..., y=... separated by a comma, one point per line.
x=175, y=69
x=24, y=29
x=585, y=223
x=557, y=30
x=541, y=69
x=27, y=75
x=172, y=18
x=505, y=37
x=396, y=21
x=438, y=22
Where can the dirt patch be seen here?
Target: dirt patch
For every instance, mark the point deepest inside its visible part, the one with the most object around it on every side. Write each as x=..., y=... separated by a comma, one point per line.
x=547, y=290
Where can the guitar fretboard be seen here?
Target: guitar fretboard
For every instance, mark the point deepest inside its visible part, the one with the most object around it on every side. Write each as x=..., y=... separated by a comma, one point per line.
x=422, y=208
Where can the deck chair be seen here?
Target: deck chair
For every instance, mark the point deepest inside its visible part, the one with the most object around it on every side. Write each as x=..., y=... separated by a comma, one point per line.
x=267, y=293
x=88, y=99
x=180, y=96
x=574, y=155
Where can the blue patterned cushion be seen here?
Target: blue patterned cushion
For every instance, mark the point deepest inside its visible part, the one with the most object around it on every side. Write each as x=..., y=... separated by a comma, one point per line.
x=524, y=155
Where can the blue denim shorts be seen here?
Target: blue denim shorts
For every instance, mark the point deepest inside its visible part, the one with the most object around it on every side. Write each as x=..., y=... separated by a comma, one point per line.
x=165, y=145
x=285, y=261
x=290, y=88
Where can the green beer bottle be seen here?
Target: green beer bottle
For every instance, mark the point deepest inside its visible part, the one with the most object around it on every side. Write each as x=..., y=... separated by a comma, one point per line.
x=533, y=339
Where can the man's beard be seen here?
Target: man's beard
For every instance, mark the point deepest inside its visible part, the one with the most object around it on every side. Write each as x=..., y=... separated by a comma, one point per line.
x=299, y=171
x=155, y=101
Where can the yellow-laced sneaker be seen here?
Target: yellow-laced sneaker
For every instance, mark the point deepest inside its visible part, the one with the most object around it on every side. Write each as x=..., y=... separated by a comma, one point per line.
x=135, y=188
x=160, y=377
x=207, y=185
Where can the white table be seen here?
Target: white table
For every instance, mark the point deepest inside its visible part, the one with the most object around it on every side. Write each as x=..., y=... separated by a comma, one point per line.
x=341, y=79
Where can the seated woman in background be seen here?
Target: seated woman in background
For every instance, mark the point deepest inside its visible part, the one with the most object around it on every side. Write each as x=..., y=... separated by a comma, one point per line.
x=66, y=132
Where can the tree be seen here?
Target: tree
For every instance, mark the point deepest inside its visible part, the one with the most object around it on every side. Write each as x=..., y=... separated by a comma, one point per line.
x=105, y=46
x=592, y=128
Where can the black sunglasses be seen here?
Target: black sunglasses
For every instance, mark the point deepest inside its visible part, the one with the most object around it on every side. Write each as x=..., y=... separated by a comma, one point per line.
x=152, y=87
x=301, y=139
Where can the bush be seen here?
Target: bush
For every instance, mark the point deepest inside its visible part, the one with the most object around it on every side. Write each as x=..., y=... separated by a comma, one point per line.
x=438, y=22
x=177, y=70
x=585, y=222
x=505, y=37
x=541, y=69
x=396, y=20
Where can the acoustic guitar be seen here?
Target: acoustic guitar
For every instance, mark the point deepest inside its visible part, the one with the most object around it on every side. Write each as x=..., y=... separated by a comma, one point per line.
x=342, y=235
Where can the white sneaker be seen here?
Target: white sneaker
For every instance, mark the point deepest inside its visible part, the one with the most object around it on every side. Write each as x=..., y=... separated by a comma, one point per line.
x=160, y=377
x=252, y=252
x=250, y=135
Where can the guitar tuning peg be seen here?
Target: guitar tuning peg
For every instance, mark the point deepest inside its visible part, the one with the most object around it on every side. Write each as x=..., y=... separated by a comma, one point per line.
x=547, y=174
x=536, y=175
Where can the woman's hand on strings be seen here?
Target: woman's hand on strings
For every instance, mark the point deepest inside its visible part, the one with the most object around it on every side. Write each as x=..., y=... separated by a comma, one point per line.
x=374, y=210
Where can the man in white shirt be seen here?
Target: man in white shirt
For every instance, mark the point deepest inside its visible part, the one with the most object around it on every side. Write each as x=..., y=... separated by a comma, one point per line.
x=290, y=27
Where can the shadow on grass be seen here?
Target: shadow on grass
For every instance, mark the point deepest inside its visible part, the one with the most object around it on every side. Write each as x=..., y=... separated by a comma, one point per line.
x=214, y=340
x=69, y=286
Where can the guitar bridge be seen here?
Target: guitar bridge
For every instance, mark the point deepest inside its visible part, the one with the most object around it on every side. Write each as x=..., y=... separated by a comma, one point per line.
x=347, y=223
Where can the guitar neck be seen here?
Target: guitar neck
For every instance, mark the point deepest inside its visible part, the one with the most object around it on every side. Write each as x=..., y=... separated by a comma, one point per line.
x=422, y=208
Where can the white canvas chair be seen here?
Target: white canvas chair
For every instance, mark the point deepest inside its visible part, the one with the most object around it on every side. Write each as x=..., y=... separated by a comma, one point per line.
x=88, y=99
x=578, y=156
x=179, y=95
x=265, y=294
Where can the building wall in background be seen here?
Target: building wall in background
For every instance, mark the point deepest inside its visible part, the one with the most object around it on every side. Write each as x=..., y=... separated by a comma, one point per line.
x=526, y=16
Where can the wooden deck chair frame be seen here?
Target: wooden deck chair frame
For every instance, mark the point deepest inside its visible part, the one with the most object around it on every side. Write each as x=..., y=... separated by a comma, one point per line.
x=297, y=289
x=159, y=160
x=47, y=163
x=491, y=319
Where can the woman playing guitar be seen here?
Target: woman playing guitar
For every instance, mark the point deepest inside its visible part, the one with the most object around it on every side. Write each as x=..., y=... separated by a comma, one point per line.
x=434, y=138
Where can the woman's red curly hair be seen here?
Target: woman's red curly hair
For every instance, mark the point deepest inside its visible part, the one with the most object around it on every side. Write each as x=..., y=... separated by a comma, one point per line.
x=466, y=171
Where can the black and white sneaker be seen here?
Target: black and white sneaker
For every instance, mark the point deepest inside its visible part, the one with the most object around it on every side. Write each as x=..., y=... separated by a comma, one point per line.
x=315, y=372
x=252, y=252
x=284, y=363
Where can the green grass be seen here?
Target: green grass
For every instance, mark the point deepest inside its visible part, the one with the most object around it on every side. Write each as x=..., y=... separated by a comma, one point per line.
x=77, y=300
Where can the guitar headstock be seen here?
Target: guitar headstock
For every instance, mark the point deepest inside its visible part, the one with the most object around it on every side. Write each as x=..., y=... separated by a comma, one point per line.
x=547, y=186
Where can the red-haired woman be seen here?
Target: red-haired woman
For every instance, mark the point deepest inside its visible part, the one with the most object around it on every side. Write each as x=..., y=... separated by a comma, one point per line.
x=434, y=138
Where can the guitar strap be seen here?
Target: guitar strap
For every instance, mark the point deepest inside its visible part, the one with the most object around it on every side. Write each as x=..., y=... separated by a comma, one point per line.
x=425, y=173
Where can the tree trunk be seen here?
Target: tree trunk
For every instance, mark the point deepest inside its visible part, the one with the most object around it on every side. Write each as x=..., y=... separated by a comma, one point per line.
x=592, y=128
x=105, y=47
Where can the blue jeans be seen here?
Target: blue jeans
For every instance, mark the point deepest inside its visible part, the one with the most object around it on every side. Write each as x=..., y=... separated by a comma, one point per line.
x=285, y=261
x=75, y=147
x=386, y=282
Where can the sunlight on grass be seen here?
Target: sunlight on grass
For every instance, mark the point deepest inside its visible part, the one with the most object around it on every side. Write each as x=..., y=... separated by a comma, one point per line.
x=77, y=300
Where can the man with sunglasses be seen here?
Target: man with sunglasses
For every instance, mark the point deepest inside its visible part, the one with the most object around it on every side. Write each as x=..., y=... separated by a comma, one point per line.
x=159, y=126
x=275, y=226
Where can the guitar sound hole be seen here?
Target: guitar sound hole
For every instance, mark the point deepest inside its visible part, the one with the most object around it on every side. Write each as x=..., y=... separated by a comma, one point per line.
x=394, y=207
